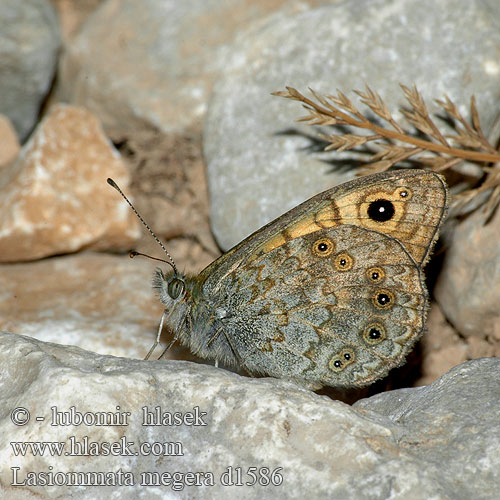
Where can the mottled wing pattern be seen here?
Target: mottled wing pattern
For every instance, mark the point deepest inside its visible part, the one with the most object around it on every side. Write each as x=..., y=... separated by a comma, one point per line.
x=332, y=292
x=341, y=318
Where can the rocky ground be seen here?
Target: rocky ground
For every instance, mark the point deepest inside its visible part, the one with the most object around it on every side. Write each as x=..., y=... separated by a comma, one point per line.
x=172, y=100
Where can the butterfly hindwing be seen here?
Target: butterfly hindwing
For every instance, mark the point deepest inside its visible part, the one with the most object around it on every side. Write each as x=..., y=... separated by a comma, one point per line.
x=325, y=296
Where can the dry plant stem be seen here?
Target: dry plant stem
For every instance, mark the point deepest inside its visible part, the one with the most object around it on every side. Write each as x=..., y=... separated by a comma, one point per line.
x=364, y=123
x=468, y=138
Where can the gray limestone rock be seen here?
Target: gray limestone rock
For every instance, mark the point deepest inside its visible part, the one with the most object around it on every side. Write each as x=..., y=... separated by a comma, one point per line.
x=102, y=303
x=29, y=46
x=438, y=442
x=467, y=289
x=154, y=61
x=451, y=426
x=261, y=163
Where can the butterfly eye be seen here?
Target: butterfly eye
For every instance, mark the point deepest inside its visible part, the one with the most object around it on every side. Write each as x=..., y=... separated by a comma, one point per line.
x=175, y=288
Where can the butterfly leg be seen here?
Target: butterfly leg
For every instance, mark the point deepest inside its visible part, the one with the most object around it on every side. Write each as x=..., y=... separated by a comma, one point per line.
x=235, y=352
x=157, y=341
x=210, y=340
x=176, y=334
x=169, y=345
x=214, y=336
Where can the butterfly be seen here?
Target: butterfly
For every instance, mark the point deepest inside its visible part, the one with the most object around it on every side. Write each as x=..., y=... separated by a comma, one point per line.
x=330, y=293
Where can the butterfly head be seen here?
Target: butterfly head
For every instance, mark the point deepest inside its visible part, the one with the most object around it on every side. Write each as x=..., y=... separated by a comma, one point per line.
x=175, y=291
x=171, y=287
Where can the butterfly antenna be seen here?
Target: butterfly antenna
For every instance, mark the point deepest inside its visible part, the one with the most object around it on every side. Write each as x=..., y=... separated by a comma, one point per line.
x=170, y=261
x=133, y=254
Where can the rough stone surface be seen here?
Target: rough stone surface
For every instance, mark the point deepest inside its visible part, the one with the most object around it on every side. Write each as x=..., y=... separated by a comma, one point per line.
x=170, y=192
x=442, y=348
x=468, y=288
x=451, y=426
x=9, y=143
x=99, y=302
x=261, y=163
x=29, y=45
x=54, y=198
x=381, y=448
x=72, y=14
x=165, y=79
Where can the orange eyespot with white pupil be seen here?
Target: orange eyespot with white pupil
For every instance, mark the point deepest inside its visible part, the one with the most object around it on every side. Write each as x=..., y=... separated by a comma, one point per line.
x=323, y=247
x=175, y=287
